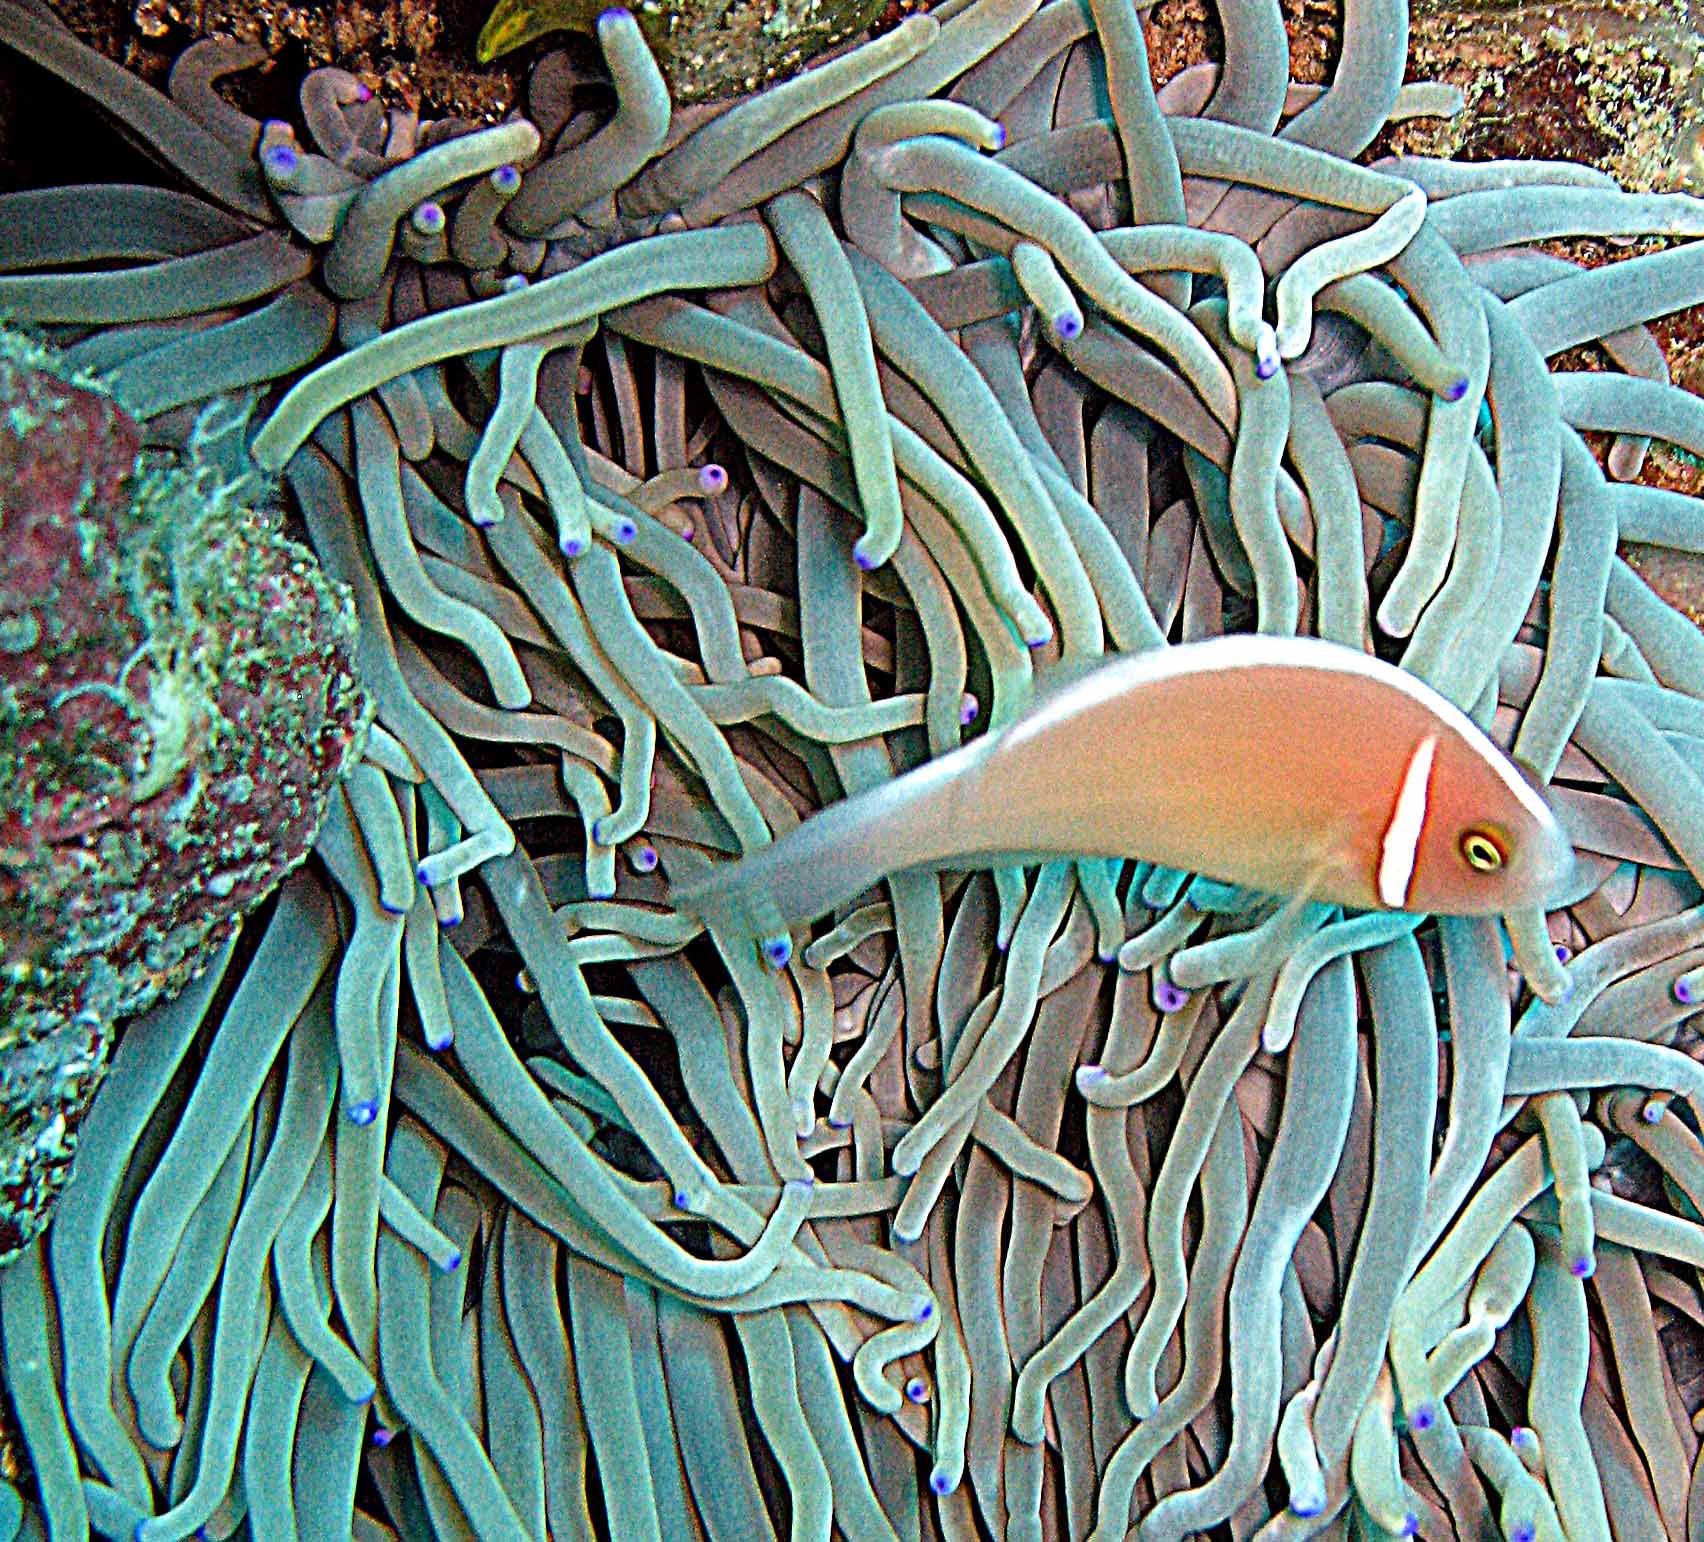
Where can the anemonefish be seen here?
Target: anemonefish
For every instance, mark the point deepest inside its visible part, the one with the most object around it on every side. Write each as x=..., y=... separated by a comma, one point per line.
x=1287, y=765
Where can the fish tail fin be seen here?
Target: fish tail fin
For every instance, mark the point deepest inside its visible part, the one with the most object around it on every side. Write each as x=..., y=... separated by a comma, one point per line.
x=831, y=857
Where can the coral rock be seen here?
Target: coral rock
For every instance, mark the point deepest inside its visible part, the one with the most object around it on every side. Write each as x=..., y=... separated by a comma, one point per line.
x=177, y=700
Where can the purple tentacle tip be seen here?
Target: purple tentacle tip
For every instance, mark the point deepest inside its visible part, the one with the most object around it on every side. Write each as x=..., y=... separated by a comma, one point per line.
x=1583, y=1267
x=1521, y=1436
x=438, y=1046
x=687, y=532
x=280, y=160
x=941, y=1484
x=866, y=563
x=1423, y=1418
x=839, y=1124
x=383, y=1437
x=428, y=218
x=999, y=136
x=572, y=546
x=777, y=950
x=645, y=859
x=1563, y=953
x=917, y=1390
x=1652, y=1112
x=1168, y=998
x=712, y=478
x=614, y=14
x=969, y=706
x=1068, y=324
x=506, y=178
x=364, y=1112
x=392, y=910
x=682, y=1200
x=452, y=1263
x=363, y=92
x=1410, y=1524
x=625, y=530
x=1091, y=1075
x=1524, y=1531
x=1684, y=993
x=925, y=1310
x=1265, y=368
x=1306, y=1505
x=1456, y=389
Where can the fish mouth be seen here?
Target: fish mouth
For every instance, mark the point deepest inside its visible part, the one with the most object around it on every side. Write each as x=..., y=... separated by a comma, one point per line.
x=1553, y=872
x=1567, y=867
x=1553, y=862
x=1563, y=859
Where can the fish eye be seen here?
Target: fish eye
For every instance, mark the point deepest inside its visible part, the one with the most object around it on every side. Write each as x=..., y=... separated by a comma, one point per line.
x=1481, y=852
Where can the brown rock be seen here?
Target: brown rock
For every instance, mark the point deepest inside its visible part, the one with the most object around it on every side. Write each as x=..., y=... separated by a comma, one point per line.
x=177, y=699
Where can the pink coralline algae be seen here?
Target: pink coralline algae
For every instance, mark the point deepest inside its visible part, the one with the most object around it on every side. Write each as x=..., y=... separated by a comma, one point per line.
x=177, y=699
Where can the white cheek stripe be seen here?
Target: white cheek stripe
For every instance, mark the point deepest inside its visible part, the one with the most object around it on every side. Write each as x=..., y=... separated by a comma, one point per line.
x=1400, y=845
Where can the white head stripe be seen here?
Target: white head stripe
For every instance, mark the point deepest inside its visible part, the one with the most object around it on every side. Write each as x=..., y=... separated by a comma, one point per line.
x=1401, y=843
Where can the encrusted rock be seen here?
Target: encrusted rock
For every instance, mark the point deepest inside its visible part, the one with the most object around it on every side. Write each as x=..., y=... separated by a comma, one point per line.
x=708, y=50
x=177, y=700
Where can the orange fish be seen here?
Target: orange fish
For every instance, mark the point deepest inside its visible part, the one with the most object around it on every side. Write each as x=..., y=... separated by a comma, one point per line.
x=1287, y=765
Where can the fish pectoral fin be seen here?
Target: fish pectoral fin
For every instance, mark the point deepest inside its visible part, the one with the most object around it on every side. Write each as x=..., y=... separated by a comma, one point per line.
x=1054, y=679
x=1315, y=882
x=1290, y=912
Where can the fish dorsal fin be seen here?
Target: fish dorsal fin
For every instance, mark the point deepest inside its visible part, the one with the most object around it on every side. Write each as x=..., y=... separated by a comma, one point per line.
x=1052, y=681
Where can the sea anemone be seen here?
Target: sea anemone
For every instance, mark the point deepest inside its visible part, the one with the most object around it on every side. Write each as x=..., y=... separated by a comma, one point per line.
x=1270, y=1219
